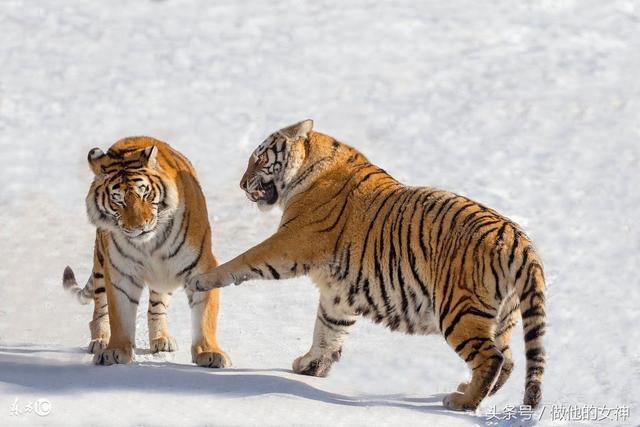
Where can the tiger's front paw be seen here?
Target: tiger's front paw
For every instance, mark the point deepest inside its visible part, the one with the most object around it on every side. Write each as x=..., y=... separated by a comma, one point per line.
x=313, y=365
x=111, y=356
x=207, y=281
x=97, y=345
x=212, y=359
x=163, y=344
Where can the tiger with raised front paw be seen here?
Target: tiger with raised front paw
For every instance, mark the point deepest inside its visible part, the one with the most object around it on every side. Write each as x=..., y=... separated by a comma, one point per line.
x=416, y=259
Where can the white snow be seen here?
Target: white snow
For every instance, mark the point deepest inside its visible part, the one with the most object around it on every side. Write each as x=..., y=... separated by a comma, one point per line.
x=531, y=107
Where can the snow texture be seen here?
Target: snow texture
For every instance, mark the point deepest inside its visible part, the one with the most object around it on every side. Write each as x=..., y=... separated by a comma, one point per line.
x=530, y=107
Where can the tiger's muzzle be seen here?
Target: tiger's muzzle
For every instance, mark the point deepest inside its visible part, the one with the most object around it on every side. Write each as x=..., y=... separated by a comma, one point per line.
x=260, y=191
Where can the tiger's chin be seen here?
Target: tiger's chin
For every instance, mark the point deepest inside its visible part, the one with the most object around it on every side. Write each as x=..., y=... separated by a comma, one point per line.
x=143, y=237
x=264, y=206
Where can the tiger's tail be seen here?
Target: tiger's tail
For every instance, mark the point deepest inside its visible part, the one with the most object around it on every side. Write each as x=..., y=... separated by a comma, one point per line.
x=84, y=295
x=531, y=289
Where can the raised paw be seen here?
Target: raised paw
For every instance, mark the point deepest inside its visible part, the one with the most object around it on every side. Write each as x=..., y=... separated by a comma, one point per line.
x=97, y=345
x=201, y=283
x=313, y=366
x=195, y=284
x=212, y=279
x=208, y=359
x=111, y=356
x=458, y=402
x=163, y=344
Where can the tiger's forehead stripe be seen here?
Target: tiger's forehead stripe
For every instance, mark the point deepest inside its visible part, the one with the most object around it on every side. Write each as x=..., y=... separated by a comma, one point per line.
x=277, y=139
x=264, y=145
x=120, y=173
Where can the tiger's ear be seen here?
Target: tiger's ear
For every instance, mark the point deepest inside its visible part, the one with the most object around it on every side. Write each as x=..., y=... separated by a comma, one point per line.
x=299, y=130
x=97, y=159
x=149, y=156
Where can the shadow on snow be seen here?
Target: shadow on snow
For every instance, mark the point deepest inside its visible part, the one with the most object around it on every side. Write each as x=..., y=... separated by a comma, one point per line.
x=22, y=366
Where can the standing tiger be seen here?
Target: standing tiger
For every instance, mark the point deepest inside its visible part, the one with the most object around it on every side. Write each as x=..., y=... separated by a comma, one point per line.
x=418, y=260
x=153, y=229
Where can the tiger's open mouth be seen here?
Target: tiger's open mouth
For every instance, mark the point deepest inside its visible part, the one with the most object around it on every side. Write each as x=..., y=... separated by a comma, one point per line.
x=266, y=193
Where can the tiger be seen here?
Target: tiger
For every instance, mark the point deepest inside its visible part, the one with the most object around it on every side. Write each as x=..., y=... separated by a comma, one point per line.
x=152, y=229
x=418, y=260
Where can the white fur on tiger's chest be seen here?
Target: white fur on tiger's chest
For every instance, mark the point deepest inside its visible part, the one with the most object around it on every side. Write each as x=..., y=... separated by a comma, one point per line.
x=161, y=275
x=159, y=268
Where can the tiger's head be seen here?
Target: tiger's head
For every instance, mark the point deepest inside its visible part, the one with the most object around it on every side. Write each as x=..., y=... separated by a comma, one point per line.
x=130, y=194
x=274, y=164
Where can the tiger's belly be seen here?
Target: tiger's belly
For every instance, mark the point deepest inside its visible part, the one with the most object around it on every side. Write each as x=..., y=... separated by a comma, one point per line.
x=418, y=320
x=400, y=308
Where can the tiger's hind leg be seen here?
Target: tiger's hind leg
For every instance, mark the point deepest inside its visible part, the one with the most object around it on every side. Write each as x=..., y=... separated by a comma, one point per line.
x=333, y=324
x=205, y=350
x=160, y=338
x=471, y=334
x=508, y=319
x=509, y=313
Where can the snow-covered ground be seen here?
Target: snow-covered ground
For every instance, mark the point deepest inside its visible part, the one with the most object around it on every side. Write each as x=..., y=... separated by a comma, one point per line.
x=531, y=107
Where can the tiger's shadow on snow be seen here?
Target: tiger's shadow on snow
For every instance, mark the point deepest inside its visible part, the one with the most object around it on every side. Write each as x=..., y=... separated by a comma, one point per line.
x=24, y=366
